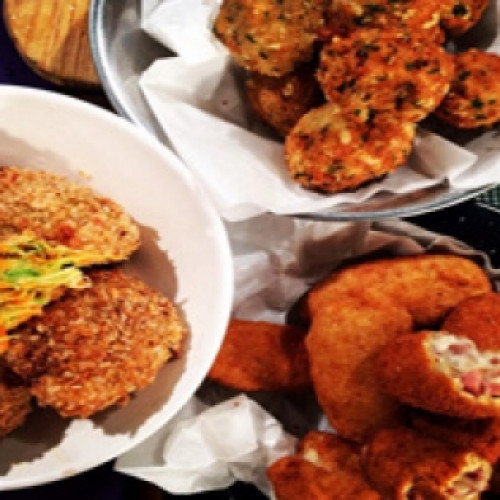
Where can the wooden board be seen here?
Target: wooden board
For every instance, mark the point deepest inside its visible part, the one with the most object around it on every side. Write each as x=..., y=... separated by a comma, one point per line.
x=52, y=36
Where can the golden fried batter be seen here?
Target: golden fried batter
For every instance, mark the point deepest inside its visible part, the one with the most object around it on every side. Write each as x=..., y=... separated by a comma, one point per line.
x=281, y=101
x=330, y=150
x=477, y=318
x=393, y=70
x=459, y=16
x=441, y=373
x=15, y=400
x=342, y=343
x=404, y=464
x=474, y=96
x=324, y=468
x=94, y=347
x=262, y=356
x=429, y=286
x=267, y=36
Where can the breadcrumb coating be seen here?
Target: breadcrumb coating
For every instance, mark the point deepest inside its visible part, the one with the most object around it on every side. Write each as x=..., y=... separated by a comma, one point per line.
x=459, y=16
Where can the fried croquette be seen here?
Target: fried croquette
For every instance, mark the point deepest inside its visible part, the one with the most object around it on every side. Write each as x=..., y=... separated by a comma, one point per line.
x=325, y=467
x=477, y=318
x=403, y=464
x=474, y=97
x=270, y=37
x=281, y=101
x=329, y=150
x=60, y=211
x=94, y=347
x=262, y=356
x=393, y=70
x=442, y=373
x=15, y=400
x=482, y=435
x=459, y=16
x=428, y=286
x=342, y=343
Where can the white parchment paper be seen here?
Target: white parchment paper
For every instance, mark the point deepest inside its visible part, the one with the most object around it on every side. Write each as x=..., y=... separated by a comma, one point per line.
x=222, y=436
x=197, y=99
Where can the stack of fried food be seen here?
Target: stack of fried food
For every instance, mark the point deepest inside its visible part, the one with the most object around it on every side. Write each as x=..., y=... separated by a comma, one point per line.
x=403, y=354
x=346, y=81
x=78, y=334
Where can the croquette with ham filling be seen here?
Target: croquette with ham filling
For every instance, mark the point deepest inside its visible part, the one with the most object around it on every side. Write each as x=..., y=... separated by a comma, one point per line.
x=324, y=467
x=329, y=150
x=428, y=286
x=58, y=210
x=393, y=70
x=473, y=100
x=93, y=348
x=403, y=464
x=267, y=36
x=342, y=343
x=441, y=373
x=262, y=356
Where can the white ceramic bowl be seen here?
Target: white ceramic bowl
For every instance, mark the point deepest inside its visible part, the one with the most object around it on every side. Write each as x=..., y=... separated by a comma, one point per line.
x=185, y=253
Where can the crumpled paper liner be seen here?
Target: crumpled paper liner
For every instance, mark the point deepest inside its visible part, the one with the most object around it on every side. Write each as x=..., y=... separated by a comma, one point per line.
x=221, y=436
x=198, y=100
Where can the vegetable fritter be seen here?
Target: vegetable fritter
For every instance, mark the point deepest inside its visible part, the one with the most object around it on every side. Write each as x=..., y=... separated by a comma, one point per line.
x=428, y=286
x=267, y=36
x=92, y=348
x=342, y=343
x=330, y=150
x=442, y=373
x=474, y=97
x=403, y=464
x=394, y=70
x=324, y=467
x=459, y=16
x=262, y=356
x=281, y=101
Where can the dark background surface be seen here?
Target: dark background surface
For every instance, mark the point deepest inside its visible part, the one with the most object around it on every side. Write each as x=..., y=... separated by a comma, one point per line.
x=471, y=222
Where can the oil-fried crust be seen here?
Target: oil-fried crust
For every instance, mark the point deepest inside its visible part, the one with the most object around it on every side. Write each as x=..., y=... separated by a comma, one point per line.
x=474, y=96
x=429, y=286
x=270, y=37
x=330, y=150
x=477, y=318
x=94, y=347
x=393, y=70
x=60, y=211
x=262, y=356
x=400, y=463
x=459, y=16
x=408, y=369
x=281, y=101
x=324, y=467
x=15, y=401
x=342, y=343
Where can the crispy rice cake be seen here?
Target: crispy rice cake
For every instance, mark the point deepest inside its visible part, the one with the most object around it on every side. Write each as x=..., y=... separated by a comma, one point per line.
x=329, y=150
x=58, y=210
x=92, y=348
x=459, y=16
x=281, y=101
x=394, y=70
x=15, y=400
x=267, y=36
x=474, y=96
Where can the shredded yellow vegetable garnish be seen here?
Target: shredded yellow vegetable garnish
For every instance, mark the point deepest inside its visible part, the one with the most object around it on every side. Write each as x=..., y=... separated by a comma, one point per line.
x=34, y=272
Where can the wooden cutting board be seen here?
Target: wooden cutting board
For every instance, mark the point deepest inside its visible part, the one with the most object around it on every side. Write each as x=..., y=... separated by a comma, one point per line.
x=52, y=36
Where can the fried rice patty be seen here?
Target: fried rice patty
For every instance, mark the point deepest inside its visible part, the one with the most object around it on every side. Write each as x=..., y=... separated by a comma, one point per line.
x=15, y=400
x=58, y=210
x=267, y=36
x=92, y=348
x=394, y=70
x=474, y=95
x=329, y=150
